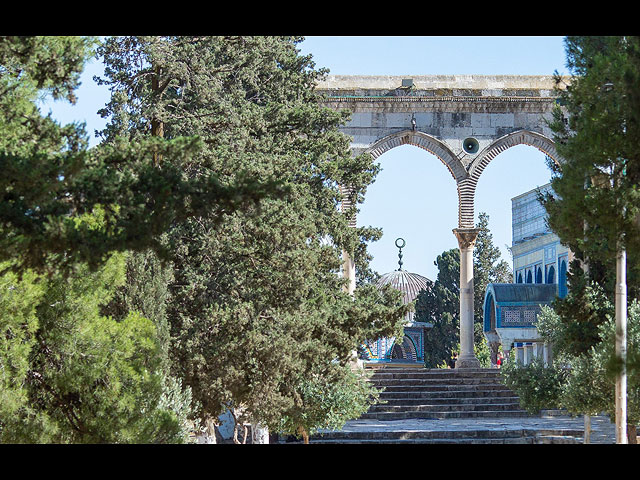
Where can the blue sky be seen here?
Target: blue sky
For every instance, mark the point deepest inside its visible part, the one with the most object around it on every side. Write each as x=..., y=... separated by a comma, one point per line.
x=414, y=196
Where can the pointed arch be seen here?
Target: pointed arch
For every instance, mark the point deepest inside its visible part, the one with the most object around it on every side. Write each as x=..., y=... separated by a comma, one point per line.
x=520, y=137
x=424, y=141
x=467, y=186
x=438, y=148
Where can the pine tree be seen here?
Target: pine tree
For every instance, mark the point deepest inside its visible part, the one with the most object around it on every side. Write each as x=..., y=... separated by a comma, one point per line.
x=596, y=128
x=73, y=375
x=596, y=204
x=51, y=180
x=488, y=265
x=257, y=302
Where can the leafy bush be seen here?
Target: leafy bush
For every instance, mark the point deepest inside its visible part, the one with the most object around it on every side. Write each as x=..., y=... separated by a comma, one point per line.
x=538, y=386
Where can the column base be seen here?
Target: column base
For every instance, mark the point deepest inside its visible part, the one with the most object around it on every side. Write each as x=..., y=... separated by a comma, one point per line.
x=469, y=362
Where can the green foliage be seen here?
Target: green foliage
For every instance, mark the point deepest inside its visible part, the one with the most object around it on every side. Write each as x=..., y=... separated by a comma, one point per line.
x=582, y=379
x=574, y=328
x=440, y=305
x=488, y=267
x=18, y=325
x=327, y=401
x=591, y=385
x=51, y=179
x=256, y=301
x=481, y=347
x=538, y=386
x=76, y=375
x=596, y=128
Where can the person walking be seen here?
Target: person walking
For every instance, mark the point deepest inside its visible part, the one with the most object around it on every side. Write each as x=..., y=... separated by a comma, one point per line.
x=452, y=360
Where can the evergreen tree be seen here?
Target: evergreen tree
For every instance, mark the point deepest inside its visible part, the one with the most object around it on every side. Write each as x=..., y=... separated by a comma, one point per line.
x=440, y=305
x=596, y=128
x=73, y=375
x=71, y=372
x=257, y=302
x=594, y=211
x=51, y=179
x=488, y=265
x=596, y=204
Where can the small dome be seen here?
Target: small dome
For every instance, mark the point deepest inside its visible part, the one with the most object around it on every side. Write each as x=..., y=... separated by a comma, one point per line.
x=409, y=284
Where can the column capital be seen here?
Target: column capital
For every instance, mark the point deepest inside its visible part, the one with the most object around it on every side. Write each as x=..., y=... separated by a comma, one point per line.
x=466, y=236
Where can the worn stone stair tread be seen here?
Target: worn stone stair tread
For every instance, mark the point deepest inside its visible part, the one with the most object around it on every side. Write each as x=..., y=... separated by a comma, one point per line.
x=518, y=440
x=459, y=396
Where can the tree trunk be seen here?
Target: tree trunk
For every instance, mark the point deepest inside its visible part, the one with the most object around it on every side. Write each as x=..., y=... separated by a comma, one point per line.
x=305, y=436
x=157, y=126
x=259, y=434
x=632, y=434
x=587, y=429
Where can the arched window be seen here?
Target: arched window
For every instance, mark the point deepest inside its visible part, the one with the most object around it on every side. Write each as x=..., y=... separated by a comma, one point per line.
x=519, y=280
x=562, y=279
x=489, y=314
x=404, y=351
x=551, y=274
x=529, y=277
x=538, y=275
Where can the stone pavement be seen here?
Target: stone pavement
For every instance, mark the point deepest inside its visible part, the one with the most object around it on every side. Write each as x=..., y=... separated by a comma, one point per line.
x=602, y=429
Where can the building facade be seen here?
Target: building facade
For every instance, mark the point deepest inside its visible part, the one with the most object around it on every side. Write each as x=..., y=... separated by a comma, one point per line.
x=540, y=266
x=538, y=255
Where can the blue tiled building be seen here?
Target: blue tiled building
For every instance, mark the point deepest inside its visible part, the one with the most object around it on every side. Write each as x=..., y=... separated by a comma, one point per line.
x=540, y=264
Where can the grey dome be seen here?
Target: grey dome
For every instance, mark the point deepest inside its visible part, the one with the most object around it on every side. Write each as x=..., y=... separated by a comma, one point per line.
x=409, y=284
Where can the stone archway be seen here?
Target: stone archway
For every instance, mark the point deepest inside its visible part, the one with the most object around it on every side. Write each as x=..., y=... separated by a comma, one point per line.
x=468, y=184
x=465, y=121
x=424, y=141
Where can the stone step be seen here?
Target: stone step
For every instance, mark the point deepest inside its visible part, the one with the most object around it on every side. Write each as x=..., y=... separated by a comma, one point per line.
x=408, y=401
x=432, y=383
x=440, y=415
x=445, y=394
x=476, y=436
x=474, y=441
x=441, y=388
x=437, y=373
x=489, y=404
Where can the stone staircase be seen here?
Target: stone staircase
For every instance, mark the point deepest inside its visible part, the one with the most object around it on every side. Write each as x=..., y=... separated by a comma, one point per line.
x=453, y=396
x=409, y=393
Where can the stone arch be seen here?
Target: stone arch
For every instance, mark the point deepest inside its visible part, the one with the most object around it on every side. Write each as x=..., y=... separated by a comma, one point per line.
x=424, y=141
x=489, y=311
x=444, y=154
x=467, y=187
x=551, y=275
x=406, y=350
x=520, y=137
x=562, y=278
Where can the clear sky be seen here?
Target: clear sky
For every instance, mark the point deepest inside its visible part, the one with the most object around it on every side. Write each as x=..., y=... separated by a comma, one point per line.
x=414, y=196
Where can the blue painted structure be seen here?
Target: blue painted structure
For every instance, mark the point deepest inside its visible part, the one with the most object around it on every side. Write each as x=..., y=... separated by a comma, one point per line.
x=540, y=264
x=514, y=305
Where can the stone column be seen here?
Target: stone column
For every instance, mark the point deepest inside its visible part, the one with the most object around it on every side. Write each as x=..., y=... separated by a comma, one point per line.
x=520, y=353
x=348, y=263
x=466, y=240
x=349, y=272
